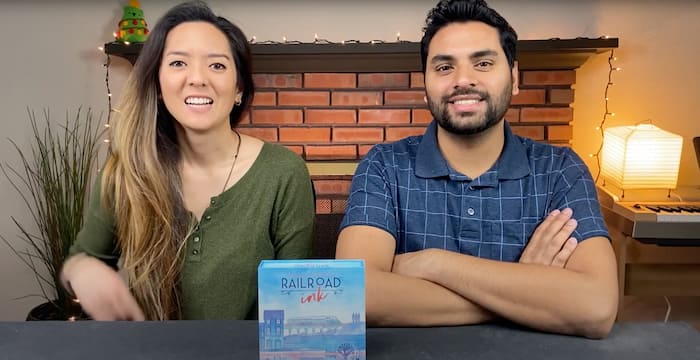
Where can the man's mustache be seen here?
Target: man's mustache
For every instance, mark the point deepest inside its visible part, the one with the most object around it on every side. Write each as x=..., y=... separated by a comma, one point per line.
x=466, y=91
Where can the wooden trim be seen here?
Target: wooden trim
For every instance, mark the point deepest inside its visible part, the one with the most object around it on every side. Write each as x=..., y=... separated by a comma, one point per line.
x=130, y=52
x=553, y=54
x=333, y=168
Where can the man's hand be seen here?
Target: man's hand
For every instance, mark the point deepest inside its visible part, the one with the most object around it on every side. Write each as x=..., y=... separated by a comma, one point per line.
x=551, y=244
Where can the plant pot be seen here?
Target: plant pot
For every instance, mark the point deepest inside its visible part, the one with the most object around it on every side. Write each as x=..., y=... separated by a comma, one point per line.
x=49, y=311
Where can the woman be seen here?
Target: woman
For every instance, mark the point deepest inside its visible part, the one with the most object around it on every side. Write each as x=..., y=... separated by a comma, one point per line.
x=187, y=203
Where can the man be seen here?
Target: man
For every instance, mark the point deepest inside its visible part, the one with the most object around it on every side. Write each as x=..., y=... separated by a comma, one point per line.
x=470, y=223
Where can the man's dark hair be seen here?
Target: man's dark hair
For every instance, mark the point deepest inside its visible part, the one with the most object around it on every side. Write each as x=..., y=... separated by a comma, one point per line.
x=459, y=11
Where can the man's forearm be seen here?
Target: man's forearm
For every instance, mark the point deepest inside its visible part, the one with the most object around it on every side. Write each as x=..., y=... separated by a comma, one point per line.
x=543, y=297
x=397, y=300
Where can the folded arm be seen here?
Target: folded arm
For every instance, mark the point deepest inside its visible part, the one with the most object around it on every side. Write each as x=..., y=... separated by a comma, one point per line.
x=558, y=286
x=578, y=299
x=398, y=300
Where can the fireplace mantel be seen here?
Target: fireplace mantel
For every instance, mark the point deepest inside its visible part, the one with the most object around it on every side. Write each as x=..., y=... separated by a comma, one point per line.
x=552, y=54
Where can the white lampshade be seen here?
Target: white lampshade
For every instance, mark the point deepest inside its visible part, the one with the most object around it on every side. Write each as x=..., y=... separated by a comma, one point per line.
x=641, y=157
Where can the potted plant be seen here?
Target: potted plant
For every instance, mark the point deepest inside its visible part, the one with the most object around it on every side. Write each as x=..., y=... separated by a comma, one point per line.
x=54, y=179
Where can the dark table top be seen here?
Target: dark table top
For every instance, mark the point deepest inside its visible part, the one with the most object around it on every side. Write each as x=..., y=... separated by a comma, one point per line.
x=239, y=340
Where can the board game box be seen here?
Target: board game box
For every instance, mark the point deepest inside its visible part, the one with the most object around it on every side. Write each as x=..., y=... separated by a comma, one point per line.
x=311, y=309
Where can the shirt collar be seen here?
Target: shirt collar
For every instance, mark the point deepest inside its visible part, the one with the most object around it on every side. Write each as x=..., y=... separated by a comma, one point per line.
x=429, y=160
x=512, y=164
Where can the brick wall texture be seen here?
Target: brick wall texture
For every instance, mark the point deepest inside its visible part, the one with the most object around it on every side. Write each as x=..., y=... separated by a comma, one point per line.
x=339, y=116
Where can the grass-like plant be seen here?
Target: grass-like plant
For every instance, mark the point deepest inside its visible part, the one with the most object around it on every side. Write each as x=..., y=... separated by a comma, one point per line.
x=54, y=181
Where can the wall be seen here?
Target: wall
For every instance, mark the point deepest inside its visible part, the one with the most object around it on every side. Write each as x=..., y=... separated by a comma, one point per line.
x=50, y=58
x=659, y=79
x=340, y=116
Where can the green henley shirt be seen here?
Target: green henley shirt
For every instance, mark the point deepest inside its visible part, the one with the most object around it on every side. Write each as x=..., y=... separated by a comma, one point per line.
x=268, y=214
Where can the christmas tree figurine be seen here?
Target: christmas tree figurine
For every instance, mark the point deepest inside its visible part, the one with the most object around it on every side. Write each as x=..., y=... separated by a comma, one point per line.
x=132, y=27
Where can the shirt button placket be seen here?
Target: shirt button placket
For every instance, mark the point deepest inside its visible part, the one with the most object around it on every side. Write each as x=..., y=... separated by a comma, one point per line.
x=468, y=189
x=197, y=239
x=196, y=246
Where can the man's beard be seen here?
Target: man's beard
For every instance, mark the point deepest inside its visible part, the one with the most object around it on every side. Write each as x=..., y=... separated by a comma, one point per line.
x=495, y=111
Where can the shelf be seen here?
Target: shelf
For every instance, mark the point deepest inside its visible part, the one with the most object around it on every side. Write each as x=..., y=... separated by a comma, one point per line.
x=130, y=52
x=552, y=54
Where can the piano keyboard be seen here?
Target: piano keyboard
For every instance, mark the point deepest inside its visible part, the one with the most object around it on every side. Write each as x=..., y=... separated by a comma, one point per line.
x=662, y=220
x=673, y=212
x=656, y=221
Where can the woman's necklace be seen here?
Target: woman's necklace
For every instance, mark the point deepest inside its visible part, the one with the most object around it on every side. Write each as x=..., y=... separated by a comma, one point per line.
x=235, y=157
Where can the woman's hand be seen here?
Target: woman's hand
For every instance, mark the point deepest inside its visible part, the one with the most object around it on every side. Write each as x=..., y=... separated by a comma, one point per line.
x=101, y=291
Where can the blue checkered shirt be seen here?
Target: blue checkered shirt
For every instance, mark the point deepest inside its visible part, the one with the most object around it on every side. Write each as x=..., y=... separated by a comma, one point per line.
x=407, y=189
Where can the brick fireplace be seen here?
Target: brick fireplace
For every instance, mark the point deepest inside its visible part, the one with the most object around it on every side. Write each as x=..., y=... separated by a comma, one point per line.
x=330, y=103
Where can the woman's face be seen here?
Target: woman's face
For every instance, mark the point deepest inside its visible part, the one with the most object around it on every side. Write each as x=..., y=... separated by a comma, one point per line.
x=197, y=77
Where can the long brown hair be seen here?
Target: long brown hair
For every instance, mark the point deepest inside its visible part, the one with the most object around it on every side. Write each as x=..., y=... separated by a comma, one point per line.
x=141, y=180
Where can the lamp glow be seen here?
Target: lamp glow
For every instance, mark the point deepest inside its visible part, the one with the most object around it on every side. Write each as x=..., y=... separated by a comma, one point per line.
x=641, y=157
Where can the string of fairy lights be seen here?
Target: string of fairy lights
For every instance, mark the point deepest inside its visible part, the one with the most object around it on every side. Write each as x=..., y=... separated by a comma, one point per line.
x=108, y=123
x=318, y=40
x=601, y=126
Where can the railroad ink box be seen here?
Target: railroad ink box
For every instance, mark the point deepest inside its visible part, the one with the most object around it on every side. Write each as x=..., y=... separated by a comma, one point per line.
x=311, y=309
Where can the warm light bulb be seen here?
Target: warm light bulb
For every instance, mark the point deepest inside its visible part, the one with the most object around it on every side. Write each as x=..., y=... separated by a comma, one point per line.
x=101, y=48
x=398, y=36
x=618, y=69
x=284, y=39
x=127, y=43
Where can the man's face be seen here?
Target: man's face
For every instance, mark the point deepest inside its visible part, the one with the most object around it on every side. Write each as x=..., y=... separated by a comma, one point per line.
x=468, y=82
